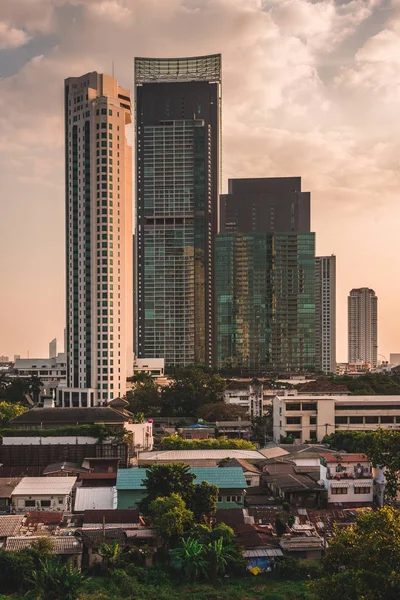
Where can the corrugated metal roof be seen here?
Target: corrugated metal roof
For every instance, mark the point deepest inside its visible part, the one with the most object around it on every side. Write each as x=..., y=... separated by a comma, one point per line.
x=226, y=478
x=60, y=544
x=97, y=498
x=262, y=552
x=199, y=454
x=44, y=485
x=10, y=525
x=312, y=542
x=7, y=485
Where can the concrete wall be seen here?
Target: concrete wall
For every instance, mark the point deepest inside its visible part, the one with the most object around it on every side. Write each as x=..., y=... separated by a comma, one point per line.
x=58, y=503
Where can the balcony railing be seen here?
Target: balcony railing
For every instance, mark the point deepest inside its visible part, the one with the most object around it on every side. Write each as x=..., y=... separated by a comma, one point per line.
x=363, y=473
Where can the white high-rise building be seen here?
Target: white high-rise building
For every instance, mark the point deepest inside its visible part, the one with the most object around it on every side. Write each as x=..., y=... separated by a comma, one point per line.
x=98, y=240
x=325, y=312
x=363, y=326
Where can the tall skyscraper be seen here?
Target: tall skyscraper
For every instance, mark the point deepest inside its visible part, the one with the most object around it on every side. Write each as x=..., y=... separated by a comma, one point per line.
x=325, y=311
x=265, y=277
x=98, y=163
x=265, y=205
x=178, y=130
x=363, y=326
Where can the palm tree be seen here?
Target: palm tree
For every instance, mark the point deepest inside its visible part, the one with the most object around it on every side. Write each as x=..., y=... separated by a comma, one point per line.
x=190, y=559
x=220, y=554
x=55, y=581
x=110, y=554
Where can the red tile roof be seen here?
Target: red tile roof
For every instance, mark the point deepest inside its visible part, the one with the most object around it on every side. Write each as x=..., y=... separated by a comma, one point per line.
x=338, y=457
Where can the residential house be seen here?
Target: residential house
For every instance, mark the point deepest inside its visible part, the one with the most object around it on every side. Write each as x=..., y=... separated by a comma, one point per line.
x=230, y=482
x=123, y=526
x=347, y=478
x=310, y=547
x=297, y=485
x=10, y=525
x=252, y=473
x=7, y=485
x=68, y=547
x=43, y=493
x=43, y=418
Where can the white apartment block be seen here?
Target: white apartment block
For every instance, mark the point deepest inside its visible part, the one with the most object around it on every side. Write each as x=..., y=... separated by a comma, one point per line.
x=363, y=326
x=249, y=395
x=306, y=418
x=51, y=371
x=98, y=240
x=325, y=311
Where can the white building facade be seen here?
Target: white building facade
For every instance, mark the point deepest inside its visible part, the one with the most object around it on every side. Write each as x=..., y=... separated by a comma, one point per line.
x=98, y=240
x=311, y=418
x=347, y=478
x=325, y=312
x=43, y=494
x=363, y=326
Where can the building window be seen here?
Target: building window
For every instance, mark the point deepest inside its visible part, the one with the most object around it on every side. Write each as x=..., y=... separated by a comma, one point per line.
x=219, y=498
x=362, y=490
x=30, y=503
x=45, y=503
x=293, y=420
x=339, y=490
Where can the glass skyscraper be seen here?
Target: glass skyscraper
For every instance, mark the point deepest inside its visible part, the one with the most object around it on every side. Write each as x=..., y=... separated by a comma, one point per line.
x=178, y=103
x=265, y=278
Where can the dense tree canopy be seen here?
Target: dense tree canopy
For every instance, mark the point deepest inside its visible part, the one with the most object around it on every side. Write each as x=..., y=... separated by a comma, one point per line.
x=15, y=389
x=170, y=516
x=164, y=480
x=191, y=387
x=9, y=411
x=204, y=502
x=145, y=397
x=363, y=561
x=371, y=383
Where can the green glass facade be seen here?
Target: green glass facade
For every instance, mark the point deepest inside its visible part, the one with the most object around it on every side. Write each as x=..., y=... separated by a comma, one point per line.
x=265, y=301
x=174, y=241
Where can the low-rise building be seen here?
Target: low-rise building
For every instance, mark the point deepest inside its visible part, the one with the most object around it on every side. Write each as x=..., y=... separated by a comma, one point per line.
x=252, y=474
x=51, y=371
x=197, y=432
x=235, y=429
x=43, y=493
x=347, y=479
x=166, y=456
x=306, y=418
x=152, y=366
x=230, y=482
x=296, y=485
x=7, y=486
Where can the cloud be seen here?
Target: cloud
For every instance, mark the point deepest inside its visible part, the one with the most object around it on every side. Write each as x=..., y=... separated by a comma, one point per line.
x=11, y=37
x=322, y=24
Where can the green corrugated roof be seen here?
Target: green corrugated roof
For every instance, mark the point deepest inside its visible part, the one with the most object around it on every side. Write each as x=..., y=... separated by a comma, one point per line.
x=227, y=477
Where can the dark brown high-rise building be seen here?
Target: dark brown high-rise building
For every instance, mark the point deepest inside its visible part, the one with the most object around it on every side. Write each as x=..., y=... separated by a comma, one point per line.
x=265, y=205
x=178, y=130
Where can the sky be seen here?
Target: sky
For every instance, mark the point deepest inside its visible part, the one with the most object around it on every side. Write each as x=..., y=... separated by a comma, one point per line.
x=311, y=88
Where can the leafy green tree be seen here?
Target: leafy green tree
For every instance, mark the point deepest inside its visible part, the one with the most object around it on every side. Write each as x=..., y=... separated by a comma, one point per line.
x=164, y=480
x=145, y=397
x=110, y=554
x=219, y=554
x=191, y=387
x=204, y=502
x=363, y=561
x=9, y=411
x=190, y=559
x=170, y=516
